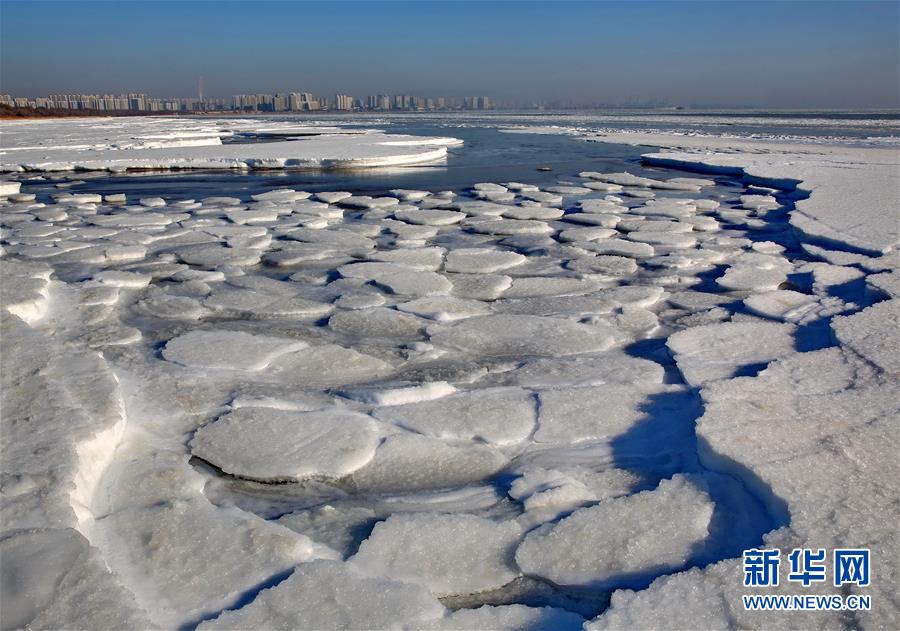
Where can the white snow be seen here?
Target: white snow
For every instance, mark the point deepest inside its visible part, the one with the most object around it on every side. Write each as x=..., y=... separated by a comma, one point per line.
x=265, y=408
x=450, y=554
x=620, y=539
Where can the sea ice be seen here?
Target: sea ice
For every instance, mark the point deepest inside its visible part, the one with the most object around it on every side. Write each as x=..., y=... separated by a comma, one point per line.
x=234, y=350
x=570, y=415
x=518, y=335
x=412, y=462
x=450, y=554
x=269, y=444
x=621, y=541
x=498, y=416
x=717, y=351
x=481, y=260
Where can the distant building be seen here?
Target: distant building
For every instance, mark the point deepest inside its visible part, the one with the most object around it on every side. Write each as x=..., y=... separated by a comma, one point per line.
x=279, y=102
x=343, y=102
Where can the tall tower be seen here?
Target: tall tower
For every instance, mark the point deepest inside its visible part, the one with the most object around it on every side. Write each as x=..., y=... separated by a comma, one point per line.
x=200, y=88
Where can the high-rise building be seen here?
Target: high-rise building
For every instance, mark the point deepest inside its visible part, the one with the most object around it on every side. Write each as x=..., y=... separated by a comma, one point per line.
x=343, y=102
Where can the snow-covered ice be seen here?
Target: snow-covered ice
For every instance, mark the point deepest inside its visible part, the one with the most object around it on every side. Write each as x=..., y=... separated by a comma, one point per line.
x=506, y=406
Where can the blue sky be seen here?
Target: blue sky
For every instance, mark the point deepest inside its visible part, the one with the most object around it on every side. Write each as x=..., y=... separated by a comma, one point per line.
x=736, y=54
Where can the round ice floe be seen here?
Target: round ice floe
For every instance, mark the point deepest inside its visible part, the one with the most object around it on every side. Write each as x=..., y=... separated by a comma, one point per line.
x=604, y=187
x=151, y=202
x=550, y=492
x=532, y=212
x=781, y=304
x=366, y=202
x=445, y=308
x=361, y=300
x=509, y=227
x=430, y=217
x=489, y=187
x=542, y=197
x=528, y=286
x=601, y=264
x=568, y=190
x=281, y=195
x=521, y=335
x=481, y=260
x=377, y=322
x=621, y=247
x=427, y=259
x=330, y=595
x=479, y=286
x=621, y=541
x=499, y=416
x=162, y=305
x=716, y=351
x=408, y=195
x=586, y=234
x=398, y=279
x=667, y=239
x=401, y=395
x=125, y=280
x=332, y=197
x=570, y=415
x=213, y=255
x=602, y=220
x=327, y=365
x=412, y=462
x=451, y=554
x=234, y=350
x=588, y=370
x=269, y=444
x=746, y=278
x=256, y=304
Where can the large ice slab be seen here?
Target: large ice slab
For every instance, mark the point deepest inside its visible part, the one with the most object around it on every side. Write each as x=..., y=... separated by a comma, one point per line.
x=269, y=444
x=333, y=595
x=621, y=540
x=517, y=335
x=234, y=350
x=717, y=351
x=105, y=147
x=451, y=554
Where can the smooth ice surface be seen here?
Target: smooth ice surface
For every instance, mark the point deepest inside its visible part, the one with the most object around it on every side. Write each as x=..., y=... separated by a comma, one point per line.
x=233, y=350
x=510, y=335
x=92, y=145
x=267, y=444
x=495, y=415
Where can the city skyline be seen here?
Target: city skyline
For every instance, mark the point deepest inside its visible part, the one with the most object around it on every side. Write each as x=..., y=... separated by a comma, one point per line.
x=293, y=101
x=801, y=55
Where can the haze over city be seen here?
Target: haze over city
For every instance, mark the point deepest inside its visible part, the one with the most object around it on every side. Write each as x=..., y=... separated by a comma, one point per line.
x=734, y=54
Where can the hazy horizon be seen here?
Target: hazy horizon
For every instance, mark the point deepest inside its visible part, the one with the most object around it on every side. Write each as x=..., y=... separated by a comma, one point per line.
x=784, y=55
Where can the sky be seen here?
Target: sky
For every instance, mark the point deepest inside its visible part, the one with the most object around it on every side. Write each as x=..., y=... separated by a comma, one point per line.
x=784, y=54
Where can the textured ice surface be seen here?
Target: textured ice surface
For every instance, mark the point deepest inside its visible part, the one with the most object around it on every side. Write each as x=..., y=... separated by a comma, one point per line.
x=333, y=595
x=620, y=540
x=450, y=554
x=718, y=351
x=594, y=373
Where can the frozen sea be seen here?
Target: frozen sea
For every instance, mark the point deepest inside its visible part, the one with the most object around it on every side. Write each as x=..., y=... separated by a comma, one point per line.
x=537, y=383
